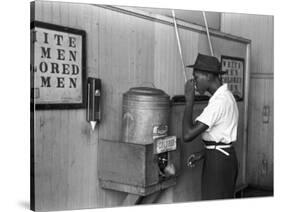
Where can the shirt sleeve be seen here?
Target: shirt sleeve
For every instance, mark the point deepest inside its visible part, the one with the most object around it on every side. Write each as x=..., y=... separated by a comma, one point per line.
x=211, y=114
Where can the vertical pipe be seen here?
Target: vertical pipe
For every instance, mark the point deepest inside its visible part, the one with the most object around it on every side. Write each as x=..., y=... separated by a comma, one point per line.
x=246, y=100
x=208, y=34
x=179, y=44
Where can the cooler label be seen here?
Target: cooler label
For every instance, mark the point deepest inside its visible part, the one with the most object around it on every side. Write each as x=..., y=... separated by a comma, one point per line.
x=165, y=144
x=159, y=131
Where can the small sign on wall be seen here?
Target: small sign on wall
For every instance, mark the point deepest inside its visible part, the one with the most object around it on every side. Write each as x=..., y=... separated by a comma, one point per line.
x=57, y=66
x=234, y=77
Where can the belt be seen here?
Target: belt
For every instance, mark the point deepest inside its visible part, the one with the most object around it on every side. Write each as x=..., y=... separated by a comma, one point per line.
x=219, y=148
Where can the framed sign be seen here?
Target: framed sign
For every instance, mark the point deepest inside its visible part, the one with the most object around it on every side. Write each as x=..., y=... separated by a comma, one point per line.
x=234, y=77
x=58, y=72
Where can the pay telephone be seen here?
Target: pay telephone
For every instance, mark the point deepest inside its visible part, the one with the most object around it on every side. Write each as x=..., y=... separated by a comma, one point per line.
x=93, y=100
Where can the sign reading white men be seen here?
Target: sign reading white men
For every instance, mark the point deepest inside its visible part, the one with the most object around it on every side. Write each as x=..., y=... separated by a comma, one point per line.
x=57, y=65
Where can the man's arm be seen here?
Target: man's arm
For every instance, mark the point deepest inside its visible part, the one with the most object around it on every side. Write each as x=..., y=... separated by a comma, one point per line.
x=190, y=130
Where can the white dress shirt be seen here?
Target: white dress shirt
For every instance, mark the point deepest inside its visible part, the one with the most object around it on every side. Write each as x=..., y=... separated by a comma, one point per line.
x=221, y=116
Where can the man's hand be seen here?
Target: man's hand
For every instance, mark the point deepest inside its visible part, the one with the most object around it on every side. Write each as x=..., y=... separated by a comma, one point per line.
x=191, y=161
x=193, y=158
x=189, y=90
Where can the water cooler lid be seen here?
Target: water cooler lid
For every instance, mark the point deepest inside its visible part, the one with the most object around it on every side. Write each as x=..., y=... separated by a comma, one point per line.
x=147, y=92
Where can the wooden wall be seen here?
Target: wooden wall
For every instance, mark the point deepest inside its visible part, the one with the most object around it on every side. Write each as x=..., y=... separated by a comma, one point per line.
x=168, y=74
x=258, y=28
x=120, y=51
x=124, y=51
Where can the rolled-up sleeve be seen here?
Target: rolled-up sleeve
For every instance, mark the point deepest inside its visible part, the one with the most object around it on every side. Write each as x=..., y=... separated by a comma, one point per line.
x=211, y=114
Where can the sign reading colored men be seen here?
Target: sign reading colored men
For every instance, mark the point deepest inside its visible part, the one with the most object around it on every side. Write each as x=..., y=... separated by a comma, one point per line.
x=234, y=76
x=58, y=66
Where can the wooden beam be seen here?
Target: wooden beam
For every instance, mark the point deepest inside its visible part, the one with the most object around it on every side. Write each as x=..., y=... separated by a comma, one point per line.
x=168, y=20
x=152, y=198
x=131, y=199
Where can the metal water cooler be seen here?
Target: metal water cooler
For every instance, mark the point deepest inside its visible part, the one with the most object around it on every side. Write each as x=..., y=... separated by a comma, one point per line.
x=147, y=159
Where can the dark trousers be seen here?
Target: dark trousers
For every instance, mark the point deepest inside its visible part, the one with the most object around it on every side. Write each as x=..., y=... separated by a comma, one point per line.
x=219, y=174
